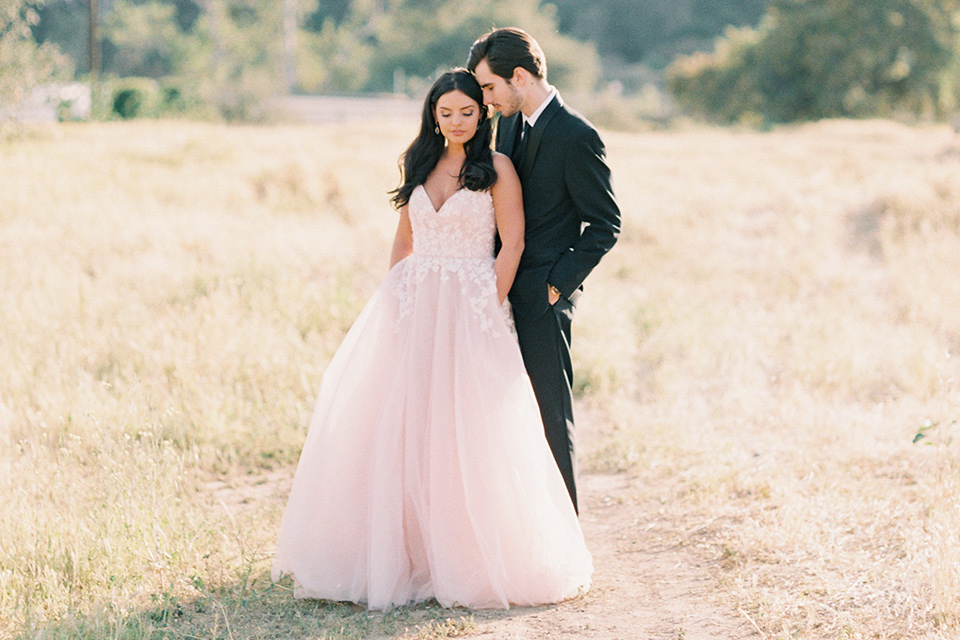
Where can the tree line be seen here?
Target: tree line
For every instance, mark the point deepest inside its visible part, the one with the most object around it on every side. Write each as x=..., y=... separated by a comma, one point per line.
x=728, y=60
x=811, y=59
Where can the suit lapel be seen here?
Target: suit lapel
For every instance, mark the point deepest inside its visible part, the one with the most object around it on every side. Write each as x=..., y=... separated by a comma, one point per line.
x=507, y=131
x=536, y=134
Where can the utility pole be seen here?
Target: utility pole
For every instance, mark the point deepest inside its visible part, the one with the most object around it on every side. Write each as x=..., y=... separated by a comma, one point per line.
x=94, y=56
x=290, y=44
x=213, y=14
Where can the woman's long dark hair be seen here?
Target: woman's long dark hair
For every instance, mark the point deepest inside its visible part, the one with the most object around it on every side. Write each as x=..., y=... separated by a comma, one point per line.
x=423, y=154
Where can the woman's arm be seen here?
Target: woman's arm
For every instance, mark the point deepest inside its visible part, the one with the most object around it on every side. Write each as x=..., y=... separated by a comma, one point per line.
x=508, y=206
x=403, y=239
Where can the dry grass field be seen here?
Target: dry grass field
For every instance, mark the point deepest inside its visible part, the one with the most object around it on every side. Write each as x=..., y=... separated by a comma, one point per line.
x=778, y=324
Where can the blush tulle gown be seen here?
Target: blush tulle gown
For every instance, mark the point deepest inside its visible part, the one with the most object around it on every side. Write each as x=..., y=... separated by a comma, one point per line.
x=425, y=472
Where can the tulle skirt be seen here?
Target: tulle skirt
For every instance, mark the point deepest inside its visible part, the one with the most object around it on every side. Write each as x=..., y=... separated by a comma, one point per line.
x=425, y=472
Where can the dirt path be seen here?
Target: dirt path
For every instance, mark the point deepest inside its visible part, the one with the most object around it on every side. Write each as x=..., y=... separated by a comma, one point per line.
x=645, y=587
x=652, y=581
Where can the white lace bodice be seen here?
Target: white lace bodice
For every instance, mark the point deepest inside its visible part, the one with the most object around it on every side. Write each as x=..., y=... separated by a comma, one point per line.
x=464, y=226
x=454, y=243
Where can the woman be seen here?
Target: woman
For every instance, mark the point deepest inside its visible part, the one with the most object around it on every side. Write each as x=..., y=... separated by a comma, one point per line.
x=425, y=473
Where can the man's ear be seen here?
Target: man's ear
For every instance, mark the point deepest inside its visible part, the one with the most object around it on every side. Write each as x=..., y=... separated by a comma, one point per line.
x=520, y=76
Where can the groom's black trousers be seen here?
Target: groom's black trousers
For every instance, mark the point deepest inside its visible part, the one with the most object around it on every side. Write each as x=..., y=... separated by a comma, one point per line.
x=545, y=345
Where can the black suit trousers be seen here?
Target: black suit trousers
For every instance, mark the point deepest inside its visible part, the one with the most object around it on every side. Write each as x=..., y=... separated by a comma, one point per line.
x=545, y=346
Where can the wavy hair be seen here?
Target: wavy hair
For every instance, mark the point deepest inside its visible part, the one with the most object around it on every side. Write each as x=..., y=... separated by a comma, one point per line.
x=505, y=50
x=423, y=154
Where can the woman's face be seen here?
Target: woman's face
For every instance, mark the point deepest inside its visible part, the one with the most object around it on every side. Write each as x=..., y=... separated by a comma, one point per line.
x=458, y=116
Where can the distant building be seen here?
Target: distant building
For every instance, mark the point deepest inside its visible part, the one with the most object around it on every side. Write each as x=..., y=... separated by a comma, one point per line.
x=52, y=103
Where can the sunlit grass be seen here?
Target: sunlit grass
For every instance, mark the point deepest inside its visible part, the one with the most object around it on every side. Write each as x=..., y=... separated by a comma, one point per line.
x=780, y=318
x=172, y=293
x=763, y=357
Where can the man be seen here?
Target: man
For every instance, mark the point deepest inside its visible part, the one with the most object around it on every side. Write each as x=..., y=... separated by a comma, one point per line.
x=572, y=218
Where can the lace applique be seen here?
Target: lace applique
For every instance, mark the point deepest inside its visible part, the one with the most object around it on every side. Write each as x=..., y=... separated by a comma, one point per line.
x=463, y=227
x=454, y=241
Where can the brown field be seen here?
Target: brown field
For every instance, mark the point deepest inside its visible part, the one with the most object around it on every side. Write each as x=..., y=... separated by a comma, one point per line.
x=779, y=321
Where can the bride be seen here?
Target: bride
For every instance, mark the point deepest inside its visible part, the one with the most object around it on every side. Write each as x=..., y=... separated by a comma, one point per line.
x=425, y=472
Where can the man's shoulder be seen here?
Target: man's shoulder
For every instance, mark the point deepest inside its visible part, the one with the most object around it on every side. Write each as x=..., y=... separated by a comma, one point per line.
x=572, y=124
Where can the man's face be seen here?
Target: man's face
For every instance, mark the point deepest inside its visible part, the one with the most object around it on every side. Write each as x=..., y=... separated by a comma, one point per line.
x=498, y=92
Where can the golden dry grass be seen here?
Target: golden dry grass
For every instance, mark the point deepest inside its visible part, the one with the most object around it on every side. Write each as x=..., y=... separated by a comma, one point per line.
x=779, y=320
x=794, y=320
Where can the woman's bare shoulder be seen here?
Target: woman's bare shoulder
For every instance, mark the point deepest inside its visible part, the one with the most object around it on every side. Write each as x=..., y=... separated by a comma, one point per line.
x=503, y=164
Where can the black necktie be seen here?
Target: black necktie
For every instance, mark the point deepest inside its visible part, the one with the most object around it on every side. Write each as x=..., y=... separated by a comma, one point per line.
x=522, y=146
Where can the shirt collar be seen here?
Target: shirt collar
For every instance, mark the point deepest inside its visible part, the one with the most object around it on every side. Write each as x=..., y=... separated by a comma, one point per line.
x=532, y=120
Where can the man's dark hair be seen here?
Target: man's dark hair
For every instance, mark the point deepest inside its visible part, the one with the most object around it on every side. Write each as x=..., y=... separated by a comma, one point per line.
x=505, y=50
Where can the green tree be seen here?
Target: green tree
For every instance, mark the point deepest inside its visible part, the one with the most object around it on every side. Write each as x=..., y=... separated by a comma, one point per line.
x=144, y=40
x=336, y=11
x=226, y=54
x=812, y=59
x=376, y=42
x=238, y=62
x=336, y=58
x=64, y=23
x=23, y=63
x=652, y=32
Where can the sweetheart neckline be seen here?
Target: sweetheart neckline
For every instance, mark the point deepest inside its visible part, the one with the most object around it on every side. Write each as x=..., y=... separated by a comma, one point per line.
x=435, y=208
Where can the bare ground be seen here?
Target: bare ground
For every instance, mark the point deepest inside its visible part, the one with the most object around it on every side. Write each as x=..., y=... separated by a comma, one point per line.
x=652, y=578
x=646, y=585
x=652, y=581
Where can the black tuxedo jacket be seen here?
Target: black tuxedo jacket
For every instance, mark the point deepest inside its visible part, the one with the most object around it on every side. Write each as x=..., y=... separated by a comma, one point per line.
x=572, y=217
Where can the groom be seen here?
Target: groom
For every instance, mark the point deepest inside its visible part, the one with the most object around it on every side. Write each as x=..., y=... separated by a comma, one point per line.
x=572, y=218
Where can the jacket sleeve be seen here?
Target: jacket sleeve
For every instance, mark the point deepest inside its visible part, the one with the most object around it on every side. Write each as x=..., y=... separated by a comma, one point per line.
x=588, y=182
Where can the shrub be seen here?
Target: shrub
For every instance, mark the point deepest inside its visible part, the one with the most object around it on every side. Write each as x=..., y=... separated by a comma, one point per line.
x=127, y=103
x=825, y=58
x=134, y=98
